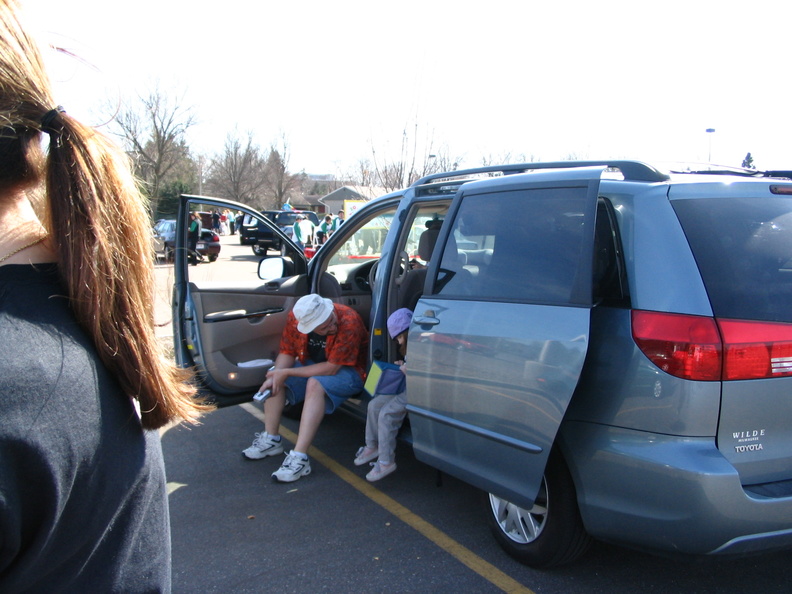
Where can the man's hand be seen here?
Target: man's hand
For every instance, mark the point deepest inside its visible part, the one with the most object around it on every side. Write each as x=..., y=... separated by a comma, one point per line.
x=276, y=379
x=266, y=385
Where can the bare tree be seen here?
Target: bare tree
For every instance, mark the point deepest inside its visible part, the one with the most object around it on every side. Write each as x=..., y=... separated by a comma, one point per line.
x=411, y=162
x=154, y=133
x=238, y=173
x=281, y=185
x=507, y=158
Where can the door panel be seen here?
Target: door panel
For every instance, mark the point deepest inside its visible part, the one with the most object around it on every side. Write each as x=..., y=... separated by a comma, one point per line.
x=229, y=330
x=498, y=341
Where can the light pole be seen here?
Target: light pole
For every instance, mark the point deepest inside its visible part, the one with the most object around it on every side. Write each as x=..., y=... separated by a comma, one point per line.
x=709, y=134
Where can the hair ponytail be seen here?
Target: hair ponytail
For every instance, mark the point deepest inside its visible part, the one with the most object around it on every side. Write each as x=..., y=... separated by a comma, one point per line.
x=98, y=224
x=100, y=229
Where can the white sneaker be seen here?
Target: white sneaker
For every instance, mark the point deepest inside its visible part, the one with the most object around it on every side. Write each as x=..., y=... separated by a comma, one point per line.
x=365, y=454
x=263, y=445
x=379, y=471
x=293, y=467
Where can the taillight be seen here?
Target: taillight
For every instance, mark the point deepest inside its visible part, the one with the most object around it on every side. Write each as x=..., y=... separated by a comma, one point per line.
x=684, y=346
x=215, y=237
x=756, y=349
x=702, y=348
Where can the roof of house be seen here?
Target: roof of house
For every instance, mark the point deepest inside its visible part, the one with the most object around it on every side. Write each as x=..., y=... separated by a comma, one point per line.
x=353, y=193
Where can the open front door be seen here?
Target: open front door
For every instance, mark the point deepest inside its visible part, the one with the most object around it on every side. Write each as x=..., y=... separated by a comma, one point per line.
x=499, y=338
x=226, y=320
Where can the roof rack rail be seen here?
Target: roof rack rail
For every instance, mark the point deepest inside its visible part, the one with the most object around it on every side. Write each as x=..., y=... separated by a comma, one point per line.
x=778, y=173
x=631, y=170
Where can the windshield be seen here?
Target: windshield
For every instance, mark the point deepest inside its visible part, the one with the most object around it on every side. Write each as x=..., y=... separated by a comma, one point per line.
x=365, y=243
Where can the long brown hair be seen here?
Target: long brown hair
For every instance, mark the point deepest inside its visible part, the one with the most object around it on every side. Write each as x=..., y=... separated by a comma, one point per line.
x=98, y=224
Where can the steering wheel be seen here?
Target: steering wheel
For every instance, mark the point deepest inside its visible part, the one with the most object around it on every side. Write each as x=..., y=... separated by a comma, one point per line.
x=372, y=273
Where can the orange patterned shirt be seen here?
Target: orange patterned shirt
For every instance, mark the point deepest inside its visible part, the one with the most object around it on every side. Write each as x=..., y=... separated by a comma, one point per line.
x=346, y=347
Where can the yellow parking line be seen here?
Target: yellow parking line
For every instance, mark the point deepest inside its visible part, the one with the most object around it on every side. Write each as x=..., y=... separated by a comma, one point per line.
x=485, y=569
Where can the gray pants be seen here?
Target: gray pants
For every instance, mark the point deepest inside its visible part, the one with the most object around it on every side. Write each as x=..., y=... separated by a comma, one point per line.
x=384, y=416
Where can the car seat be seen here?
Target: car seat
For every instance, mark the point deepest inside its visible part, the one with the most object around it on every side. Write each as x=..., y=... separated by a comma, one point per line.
x=412, y=285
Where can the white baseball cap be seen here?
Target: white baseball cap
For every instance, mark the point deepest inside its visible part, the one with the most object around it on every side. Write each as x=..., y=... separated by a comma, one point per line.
x=312, y=311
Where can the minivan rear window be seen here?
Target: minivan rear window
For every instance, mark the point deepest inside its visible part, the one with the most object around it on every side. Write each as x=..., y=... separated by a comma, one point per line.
x=743, y=248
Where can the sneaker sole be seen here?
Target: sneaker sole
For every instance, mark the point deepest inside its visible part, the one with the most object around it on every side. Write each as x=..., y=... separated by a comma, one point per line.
x=263, y=455
x=293, y=478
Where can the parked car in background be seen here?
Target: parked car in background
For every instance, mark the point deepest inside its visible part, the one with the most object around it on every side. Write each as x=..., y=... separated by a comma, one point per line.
x=262, y=238
x=603, y=348
x=165, y=241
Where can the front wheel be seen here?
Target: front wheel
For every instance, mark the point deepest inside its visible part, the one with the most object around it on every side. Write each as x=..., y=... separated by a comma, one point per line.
x=549, y=534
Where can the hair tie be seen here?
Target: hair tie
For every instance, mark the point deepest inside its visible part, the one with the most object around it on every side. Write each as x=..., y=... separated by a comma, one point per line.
x=48, y=120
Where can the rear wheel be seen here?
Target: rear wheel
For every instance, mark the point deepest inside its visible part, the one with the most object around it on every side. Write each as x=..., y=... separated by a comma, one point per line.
x=259, y=250
x=550, y=533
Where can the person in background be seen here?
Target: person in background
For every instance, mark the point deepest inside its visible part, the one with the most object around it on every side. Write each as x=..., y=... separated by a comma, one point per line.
x=308, y=230
x=321, y=363
x=385, y=413
x=338, y=221
x=83, y=501
x=325, y=229
x=297, y=232
x=193, y=235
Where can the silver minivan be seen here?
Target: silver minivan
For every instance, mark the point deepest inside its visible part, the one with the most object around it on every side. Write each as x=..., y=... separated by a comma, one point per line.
x=604, y=348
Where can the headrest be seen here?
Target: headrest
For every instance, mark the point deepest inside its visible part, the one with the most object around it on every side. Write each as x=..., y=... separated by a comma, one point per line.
x=426, y=243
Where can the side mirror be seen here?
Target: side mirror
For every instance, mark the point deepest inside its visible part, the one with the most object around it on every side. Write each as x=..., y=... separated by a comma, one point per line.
x=270, y=268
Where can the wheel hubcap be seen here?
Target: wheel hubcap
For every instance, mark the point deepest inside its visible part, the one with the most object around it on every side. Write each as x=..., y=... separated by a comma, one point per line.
x=519, y=524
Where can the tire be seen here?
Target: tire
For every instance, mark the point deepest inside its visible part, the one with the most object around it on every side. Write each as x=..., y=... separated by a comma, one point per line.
x=168, y=254
x=259, y=250
x=212, y=257
x=551, y=533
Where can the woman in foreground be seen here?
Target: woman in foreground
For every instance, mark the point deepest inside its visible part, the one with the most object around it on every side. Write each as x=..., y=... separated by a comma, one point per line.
x=83, y=381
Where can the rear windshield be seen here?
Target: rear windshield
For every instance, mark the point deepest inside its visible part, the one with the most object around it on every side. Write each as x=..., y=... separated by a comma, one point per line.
x=285, y=219
x=743, y=247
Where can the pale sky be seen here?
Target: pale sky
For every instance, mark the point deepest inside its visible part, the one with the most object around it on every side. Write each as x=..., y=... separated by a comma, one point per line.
x=548, y=79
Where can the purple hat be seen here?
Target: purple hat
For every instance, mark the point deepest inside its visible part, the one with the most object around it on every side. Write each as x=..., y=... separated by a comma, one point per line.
x=399, y=321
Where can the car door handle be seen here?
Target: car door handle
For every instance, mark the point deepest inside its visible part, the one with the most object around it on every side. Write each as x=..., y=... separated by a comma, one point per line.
x=428, y=319
x=239, y=314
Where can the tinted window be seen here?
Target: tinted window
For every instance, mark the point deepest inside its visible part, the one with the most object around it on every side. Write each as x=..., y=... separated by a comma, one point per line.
x=743, y=247
x=288, y=218
x=527, y=245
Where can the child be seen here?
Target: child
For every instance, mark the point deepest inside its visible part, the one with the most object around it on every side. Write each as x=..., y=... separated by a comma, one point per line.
x=386, y=412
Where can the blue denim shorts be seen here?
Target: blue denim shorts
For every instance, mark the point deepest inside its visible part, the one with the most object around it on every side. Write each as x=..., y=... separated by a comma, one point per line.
x=339, y=387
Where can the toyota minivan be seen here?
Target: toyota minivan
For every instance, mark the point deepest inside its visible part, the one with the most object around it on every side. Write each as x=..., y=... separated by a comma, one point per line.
x=603, y=348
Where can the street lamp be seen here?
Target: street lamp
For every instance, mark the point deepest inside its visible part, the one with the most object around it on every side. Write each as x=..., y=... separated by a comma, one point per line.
x=709, y=133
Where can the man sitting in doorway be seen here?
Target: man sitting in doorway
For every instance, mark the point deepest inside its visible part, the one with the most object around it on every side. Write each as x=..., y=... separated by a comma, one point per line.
x=321, y=363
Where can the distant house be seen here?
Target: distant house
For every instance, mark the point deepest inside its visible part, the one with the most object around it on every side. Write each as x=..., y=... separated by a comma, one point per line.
x=334, y=201
x=309, y=203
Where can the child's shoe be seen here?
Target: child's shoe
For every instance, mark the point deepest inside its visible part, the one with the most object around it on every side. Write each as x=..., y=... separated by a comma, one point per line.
x=365, y=454
x=380, y=470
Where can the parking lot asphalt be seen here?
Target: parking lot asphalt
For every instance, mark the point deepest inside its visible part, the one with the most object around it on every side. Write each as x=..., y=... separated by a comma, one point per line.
x=234, y=530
